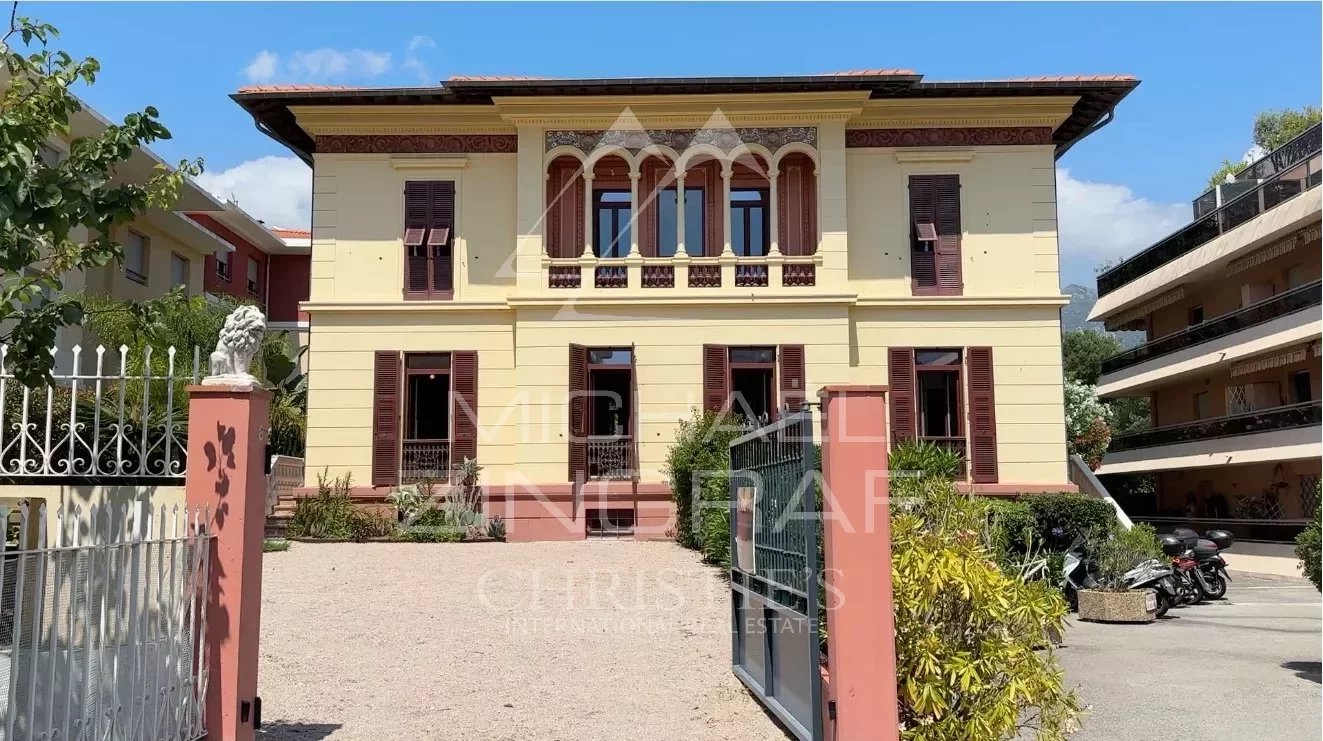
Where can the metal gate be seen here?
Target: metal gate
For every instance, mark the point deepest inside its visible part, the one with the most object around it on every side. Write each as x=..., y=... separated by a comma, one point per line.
x=101, y=632
x=774, y=571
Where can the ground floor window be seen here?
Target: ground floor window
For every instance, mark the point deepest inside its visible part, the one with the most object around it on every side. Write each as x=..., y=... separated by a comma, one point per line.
x=606, y=406
x=753, y=383
x=939, y=398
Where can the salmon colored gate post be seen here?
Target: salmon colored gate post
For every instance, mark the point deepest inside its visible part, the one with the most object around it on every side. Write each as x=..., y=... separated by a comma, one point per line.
x=861, y=635
x=227, y=427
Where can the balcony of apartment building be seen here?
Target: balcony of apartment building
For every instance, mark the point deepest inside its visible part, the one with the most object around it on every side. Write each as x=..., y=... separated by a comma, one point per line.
x=703, y=217
x=1272, y=200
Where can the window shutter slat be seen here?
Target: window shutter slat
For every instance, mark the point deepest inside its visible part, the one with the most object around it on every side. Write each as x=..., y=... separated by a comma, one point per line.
x=982, y=416
x=442, y=266
x=386, y=374
x=946, y=198
x=712, y=206
x=900, y=381
x=716, y=377
x=464, y=399
x=578, y=389
x=792, y=377
x=650, y=179
x=797, y=206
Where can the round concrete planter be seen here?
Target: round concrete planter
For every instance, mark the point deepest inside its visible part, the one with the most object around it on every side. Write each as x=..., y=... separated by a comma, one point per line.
x=1132, y=606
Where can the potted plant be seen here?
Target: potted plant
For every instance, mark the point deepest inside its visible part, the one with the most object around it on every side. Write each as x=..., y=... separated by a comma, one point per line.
x=1114, y=555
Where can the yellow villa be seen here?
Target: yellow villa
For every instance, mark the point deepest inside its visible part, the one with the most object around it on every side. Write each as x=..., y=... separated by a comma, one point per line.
x=547, y=275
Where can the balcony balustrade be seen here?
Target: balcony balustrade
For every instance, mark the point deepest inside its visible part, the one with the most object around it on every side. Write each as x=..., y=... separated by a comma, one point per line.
x=1280, y=305
x=424, y=459
x=1294, y=176
x=611, y=457
x=1304, y=414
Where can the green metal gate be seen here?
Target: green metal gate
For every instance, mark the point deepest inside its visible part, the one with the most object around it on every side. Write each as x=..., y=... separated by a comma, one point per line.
x=774, y=571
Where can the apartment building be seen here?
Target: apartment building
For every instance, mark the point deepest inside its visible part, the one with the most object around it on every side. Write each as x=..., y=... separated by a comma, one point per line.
x=1230, y=304
x=547, y=275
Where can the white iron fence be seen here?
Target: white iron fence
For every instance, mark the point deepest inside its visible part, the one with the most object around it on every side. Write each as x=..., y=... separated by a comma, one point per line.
x=100, y=634
x=127, y=418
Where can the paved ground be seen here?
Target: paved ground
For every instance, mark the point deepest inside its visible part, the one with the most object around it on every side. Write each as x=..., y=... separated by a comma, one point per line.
x=587, y=640
x=1243, y=668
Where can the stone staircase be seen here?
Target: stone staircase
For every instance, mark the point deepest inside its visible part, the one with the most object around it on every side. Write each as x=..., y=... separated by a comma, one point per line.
x=278, y=521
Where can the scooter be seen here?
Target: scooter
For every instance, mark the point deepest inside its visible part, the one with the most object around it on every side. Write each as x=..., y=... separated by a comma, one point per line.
x=1210, y=574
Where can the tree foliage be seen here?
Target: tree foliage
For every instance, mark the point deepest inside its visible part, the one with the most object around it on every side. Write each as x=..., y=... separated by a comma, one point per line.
x=1083, y=352
x=1309, y=548
x=1272, y=129
x=1219, y=176
x=59, y=217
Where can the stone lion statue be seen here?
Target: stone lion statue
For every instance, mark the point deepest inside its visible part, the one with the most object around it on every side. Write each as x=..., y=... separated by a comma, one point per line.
x=238, y=343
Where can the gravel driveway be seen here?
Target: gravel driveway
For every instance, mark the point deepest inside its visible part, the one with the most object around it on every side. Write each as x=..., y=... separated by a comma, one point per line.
x=581, y=640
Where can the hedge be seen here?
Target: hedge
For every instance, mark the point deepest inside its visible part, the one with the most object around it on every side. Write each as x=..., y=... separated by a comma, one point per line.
x=699, y=463
x=1060, y=518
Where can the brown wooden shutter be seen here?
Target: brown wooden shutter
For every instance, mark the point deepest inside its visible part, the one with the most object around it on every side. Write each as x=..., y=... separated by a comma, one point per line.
x=578, y=401
x=716, y=377
x=946, y=189
x=714, y=239
x=650, y=178
x=464, y=400
x=442, y=255
x=417, y=215
x=798, y=207
x=900, y=380
x=923, y=265
x=982, y=416
x=634, y=411
x=565, y=209
x=386, y=374
x=792, y=377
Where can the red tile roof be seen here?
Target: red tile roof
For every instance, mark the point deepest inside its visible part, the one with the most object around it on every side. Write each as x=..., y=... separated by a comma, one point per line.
x=293, y=88
x=284, y=233
x=868, y=72
x=494, y=78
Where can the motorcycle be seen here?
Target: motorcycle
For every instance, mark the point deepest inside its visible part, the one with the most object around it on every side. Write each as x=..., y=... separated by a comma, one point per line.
x=1210, y=574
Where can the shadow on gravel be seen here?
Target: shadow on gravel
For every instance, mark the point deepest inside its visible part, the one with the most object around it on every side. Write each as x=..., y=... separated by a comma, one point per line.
x=1311, y=670
x=297, y=731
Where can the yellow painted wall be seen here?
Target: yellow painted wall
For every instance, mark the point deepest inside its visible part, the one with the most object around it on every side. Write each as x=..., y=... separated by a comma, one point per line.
x=358, y=220
x=523, y=373
x=1007, y=210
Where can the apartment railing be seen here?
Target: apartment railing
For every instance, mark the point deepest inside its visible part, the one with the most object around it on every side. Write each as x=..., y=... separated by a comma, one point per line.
x=1304, y=414
x=1278, y=306
x=1278, y=160
x=611, y=457
x=1280, y=187
x=424, y=459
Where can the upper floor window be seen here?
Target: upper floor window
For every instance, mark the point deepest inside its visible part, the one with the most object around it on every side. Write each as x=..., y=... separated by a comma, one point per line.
x=429, y=219
x=252, y=275
x=179, y=271
x=1196, y=315
x=749, y=222
x=223, y=264
x=693, y=222
x=935, y=234
x=612, y=228
x=135, y=256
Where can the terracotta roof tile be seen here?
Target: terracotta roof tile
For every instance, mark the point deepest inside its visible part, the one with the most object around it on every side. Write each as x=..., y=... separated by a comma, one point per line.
x=868, y=73
x=1055, y=78
x=494, y=78
x=284, y=233
x=292, y=88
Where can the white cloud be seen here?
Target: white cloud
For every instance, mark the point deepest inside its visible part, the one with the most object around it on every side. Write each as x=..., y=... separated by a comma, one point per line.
x=421, y=42
x=325, y=64
x=277, y=190
x=263, y=67
x=1098, y=222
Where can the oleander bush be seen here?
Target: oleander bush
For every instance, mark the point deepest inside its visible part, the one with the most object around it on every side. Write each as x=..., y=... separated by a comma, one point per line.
x=698, y=466
x=1309, y=549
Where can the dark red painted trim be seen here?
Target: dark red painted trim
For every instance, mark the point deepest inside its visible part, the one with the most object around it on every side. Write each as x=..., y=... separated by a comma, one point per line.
x=952, y=137
x=418, y=143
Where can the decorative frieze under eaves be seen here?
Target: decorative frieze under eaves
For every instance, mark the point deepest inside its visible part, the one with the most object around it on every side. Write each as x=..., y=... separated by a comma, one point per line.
x=724, y=139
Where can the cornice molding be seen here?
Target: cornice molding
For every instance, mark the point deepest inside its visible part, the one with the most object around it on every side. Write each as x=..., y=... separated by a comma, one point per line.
x=341, y=120
x=418, y=144
x=681, y=111
x=948, y=137
x=964, y=112
x=724, y=139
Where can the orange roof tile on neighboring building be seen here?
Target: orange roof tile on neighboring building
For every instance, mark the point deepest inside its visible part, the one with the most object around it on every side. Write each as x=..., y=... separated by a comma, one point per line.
x=293, y=88
x=284, y=233
x=494, y=78
x=869, y=72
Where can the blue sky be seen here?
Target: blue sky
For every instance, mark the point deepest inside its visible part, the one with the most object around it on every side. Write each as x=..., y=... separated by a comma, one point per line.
x=1207, y=68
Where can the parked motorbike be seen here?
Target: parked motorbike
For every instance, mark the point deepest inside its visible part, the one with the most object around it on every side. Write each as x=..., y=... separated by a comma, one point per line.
x=1077, y=573
x=1210, y=574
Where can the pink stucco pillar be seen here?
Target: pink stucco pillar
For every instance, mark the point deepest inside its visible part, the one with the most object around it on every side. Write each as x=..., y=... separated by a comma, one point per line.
x=861, y=643
x=227, y=428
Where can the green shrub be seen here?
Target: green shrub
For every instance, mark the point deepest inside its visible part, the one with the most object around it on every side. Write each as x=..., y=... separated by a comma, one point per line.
x=1060, y=518
x=327, y=515
x=272, y=545
x=1120, y=550
x=973, y=643
x=367, y=524
x=1013, y=530
x=1309, y=549
x=697, y=464
x=922, y=459
x=431, y=525
x=496, y=528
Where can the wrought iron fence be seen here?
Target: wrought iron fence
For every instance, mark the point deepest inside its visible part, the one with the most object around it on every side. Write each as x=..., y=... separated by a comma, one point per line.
x=1280, y=305
x=424, y=459
x=610, y=457
x=101, y=631
x=1303, y=414
x=127, y=418
x=1275, y=190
